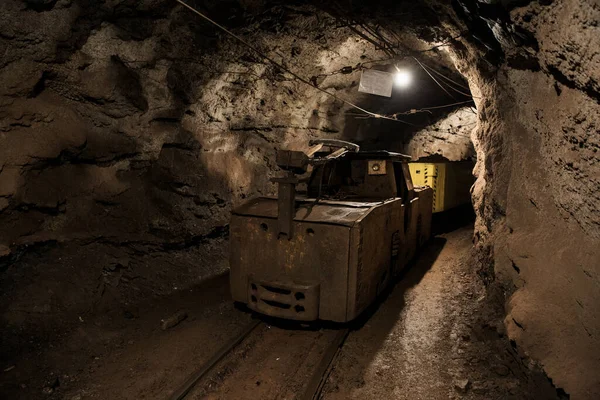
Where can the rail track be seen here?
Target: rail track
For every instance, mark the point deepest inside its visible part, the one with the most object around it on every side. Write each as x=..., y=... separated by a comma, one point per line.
x=313, y=387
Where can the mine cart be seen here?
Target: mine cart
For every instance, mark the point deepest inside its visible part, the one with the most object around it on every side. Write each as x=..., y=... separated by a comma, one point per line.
x=327, y=253
x=450, y=181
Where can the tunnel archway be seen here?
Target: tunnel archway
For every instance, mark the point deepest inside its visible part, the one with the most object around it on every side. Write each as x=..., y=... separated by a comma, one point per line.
x=129, y=131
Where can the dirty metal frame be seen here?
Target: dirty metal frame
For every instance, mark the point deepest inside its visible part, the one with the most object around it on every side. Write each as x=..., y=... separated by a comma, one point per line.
x=297, y=162
x=329, y=253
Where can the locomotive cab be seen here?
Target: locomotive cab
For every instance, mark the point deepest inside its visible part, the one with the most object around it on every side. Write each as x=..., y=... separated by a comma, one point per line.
x=328, y=253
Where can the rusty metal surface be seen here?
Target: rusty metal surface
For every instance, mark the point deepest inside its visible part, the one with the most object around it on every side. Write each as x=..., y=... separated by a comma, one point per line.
x=349, y=179
x=349, y=261
x=285, y=300
x=317, y=255
x=307, y=211
x=373, y=244
x=377, y=167
x=410, y=234
x=286, y=204
x=345, y=248
x=425, y=195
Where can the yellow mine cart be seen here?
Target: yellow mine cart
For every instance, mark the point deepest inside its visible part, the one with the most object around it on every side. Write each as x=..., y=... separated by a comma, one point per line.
x=451, y=182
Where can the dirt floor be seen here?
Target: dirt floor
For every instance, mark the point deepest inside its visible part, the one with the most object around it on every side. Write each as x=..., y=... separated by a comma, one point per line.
x=274, y=363
x=127, y=355
x=434, y=336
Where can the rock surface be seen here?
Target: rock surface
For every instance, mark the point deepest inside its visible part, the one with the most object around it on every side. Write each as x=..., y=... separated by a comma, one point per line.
x=449, y=138
x=129, y=129
x=537, y=195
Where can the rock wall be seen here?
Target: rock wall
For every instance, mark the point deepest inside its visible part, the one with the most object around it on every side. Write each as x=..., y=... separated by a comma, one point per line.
x=128, y=131
x=450, y=137
x=538, y=170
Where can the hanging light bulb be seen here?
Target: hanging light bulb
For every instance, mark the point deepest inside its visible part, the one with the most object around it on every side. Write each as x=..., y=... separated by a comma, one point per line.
x=402, y=78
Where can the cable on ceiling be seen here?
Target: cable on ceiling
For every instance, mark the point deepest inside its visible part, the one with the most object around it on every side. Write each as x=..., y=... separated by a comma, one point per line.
x=445, y=77
x=447, y=83
x=301, y=79
x=447, y=105
x=419, y=110
x=432, y=77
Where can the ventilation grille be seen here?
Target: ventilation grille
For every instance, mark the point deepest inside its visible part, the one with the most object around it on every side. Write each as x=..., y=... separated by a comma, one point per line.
x=299, y=302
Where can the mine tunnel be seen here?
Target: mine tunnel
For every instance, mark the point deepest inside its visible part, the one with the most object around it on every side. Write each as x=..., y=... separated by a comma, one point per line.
x=299, y=199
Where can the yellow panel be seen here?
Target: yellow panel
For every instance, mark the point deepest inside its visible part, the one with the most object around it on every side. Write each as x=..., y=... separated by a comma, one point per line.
x=432, y=175
x=417, y=173
x=450, y=182
x=440, y=189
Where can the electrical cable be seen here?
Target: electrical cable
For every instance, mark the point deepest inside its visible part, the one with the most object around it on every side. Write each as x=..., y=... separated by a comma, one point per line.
x=431, y=76
x=447, y=105
x=446, y=78
x=448, y=84
x=423, y=109
x=445, y=43
x=374, y=115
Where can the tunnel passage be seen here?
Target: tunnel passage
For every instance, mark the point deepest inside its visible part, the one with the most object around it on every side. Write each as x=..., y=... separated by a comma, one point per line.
x=129, y=131
x=451, y=182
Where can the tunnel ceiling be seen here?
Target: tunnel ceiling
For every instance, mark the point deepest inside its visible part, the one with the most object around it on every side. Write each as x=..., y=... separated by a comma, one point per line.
x=146, y=100
x=129, y=129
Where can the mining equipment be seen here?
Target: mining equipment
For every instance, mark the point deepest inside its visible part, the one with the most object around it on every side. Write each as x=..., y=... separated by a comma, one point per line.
x=329, y=252
x=450, y=181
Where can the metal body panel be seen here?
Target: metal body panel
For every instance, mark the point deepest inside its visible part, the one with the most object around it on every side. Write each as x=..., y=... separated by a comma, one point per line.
x=450, y=182
x=371, y=255
x=308, y=211
x=340, y=266
x=354, y=265
x=294, y=301
x=409, y=240
x=425, y=194
x=353, y=179
x=317, y=255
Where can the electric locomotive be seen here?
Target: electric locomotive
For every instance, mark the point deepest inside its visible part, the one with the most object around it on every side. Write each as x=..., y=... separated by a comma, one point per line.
x=329, y=252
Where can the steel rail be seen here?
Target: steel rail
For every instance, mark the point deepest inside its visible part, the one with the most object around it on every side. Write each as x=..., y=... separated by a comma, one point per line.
x=184, y=389
x=312, y=389
x=321, y=373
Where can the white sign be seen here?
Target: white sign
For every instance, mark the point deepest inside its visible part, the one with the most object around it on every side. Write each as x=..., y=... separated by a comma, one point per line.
x=375, y=82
